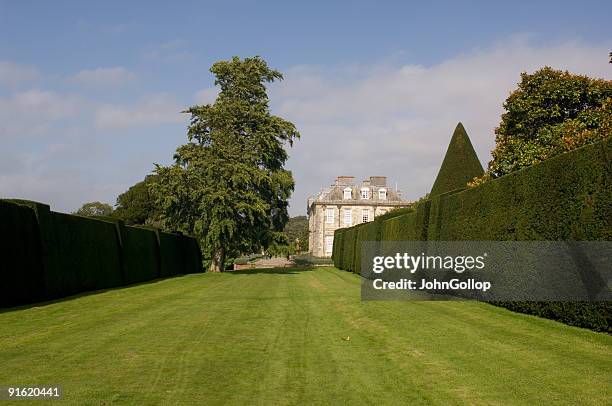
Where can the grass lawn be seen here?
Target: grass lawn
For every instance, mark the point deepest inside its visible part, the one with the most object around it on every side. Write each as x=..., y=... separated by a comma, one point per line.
x=279, y=337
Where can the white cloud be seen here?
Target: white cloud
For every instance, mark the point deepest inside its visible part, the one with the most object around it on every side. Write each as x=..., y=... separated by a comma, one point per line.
x=397, y=120
x=149, y=112
x=13, y=74
x=103, y=77
x=35, y=112
x=378, y=119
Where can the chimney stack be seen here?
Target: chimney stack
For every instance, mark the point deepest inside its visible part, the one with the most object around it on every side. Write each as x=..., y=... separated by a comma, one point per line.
x=380, y=181
x=345, y=180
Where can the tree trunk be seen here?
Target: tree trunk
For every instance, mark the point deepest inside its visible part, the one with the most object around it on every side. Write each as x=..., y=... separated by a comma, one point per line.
x=217, y=264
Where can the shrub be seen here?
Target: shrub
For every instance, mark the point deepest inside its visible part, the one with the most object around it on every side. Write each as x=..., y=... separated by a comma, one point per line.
x=309, y=260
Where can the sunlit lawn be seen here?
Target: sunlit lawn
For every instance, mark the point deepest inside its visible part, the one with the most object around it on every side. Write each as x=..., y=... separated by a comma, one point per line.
x=295, y=337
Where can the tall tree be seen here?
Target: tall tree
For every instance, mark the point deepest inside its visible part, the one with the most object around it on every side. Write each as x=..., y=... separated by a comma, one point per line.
x=136, y=205
x=228, y=185
x=551, y=112
x=95, y=209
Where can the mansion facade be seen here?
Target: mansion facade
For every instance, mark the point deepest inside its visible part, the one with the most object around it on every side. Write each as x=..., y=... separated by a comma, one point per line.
x=345, y=204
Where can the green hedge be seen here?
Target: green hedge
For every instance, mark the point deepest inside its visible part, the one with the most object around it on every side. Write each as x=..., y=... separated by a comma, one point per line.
x=338, y=248
x=592, y=315
x=21, y=265
x=170, y=255
x=568, y=197
x=460, y=164
x=51, y=255
x=348, y=254
x=87, y=256
x=191, y=257
x=367, y=232
x=140, y=254
x=345, y=245
x=407, y=227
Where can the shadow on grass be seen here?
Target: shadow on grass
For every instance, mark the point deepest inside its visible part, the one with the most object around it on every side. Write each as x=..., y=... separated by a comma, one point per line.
x=271, y=271
x=84, y=294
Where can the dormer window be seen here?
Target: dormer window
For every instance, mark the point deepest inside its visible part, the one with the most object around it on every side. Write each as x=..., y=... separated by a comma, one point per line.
x=347, y=193
x=382, y=194
x=365, y=193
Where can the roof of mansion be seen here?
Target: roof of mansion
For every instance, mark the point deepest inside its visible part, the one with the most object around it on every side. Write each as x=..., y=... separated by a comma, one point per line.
x=335, y=194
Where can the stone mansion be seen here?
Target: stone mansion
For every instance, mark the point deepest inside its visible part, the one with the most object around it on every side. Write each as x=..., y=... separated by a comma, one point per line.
x=345, y=204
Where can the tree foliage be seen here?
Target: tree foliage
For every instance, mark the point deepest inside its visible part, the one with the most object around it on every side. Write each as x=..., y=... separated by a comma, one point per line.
x=293, y=239
x=95, y=209
x=137, y=204
x=551, y=112
x=228, y=185
x=297, y=229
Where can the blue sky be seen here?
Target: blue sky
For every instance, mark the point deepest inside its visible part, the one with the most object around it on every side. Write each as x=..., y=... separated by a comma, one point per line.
x=90, y=93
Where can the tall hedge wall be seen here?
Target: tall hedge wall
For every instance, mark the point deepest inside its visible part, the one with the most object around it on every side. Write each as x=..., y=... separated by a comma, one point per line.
x=190, y=255
x=568, y=197
x=366, y=232
x=86, y=257
x=140, y=254
x=21, y=265
x=338, y=248
x=48, y=255
x=348, y=253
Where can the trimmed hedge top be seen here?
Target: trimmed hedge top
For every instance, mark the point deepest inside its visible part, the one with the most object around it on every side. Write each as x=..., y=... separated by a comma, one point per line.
x=460, y=164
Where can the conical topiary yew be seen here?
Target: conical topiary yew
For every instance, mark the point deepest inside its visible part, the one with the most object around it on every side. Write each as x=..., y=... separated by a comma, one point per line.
x=460, y=164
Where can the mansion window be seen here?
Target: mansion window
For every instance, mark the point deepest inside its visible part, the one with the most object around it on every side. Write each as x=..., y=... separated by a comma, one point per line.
x=365, y=215
x=329, y=216
x=347, y=193
x=382, y=194
x=348, y=218
x=365, y=193
x=329, y=244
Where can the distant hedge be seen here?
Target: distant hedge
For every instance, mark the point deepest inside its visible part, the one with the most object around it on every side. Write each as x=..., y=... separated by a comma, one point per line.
x=50, y=255
x=338, y=248
x=348, y=253
x=568, y=197
x=367, y=232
